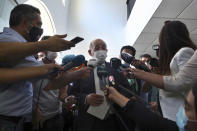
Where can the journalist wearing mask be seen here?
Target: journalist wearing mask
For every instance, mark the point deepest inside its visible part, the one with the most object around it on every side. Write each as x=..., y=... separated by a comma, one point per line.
x=176, y=48
x=186, y=116
x=90, y=97
x=25, y=26
x=47, y=116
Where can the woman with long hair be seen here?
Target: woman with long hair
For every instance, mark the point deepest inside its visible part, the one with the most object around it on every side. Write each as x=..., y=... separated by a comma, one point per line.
x=174, y=39
x=175, y=49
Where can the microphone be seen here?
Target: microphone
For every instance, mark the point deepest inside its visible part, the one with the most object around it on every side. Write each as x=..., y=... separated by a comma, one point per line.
x=144, y=67
x=92, y=63
x=112, y=82
x=130, y=59
x=103, y=74
x=115, y=63
x=77, y=61
x=67, y=58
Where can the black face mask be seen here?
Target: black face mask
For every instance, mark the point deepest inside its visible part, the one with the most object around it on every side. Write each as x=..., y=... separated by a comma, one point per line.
x=35, y=33
x=127, y=58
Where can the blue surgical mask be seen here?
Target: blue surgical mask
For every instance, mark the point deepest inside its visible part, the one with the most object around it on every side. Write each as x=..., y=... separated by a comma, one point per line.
x=181, y=119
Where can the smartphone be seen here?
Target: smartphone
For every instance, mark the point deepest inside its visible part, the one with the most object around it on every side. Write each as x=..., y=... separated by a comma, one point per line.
x=77, y=40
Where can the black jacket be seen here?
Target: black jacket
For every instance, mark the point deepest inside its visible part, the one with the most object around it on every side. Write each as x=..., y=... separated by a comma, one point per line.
x=87, y=122
x=147, y=119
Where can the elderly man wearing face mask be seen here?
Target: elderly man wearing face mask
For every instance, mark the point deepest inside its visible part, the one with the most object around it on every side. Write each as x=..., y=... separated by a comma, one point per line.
x=86, y=92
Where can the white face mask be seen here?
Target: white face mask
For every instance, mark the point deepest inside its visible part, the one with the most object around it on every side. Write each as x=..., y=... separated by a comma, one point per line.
x=100, y=55
x=51, y=55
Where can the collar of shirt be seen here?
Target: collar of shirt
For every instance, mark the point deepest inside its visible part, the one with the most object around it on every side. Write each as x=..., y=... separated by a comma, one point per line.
x=11, y=32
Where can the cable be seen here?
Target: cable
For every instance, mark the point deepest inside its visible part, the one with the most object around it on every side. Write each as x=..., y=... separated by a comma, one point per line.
x=38, y=98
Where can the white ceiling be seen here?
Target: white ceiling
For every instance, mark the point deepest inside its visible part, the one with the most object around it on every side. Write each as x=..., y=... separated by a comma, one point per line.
x=183, y=10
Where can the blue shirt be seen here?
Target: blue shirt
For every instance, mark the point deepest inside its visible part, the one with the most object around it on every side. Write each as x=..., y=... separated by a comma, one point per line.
x=16, y=99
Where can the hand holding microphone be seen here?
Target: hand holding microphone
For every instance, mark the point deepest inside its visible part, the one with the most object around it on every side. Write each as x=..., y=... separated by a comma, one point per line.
x=136, y=72
x=68, y=77
x=44, y=69
x=137, y=63
x=116, y=97
x=74, y=62
x=116, y=64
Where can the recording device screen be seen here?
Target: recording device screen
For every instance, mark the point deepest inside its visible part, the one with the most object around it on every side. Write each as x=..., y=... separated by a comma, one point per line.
x=77, y=40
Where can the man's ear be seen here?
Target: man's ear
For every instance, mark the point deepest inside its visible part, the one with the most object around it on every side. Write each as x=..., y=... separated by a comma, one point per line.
x=90, y=53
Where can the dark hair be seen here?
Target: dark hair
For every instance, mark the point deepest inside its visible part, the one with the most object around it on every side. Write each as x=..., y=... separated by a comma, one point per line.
x=129, y=48
x=22, y=11
x=146, y=55
x=154, y=62
x=173, y=36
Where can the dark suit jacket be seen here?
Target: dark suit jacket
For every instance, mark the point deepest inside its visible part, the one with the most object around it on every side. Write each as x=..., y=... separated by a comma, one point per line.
x=87, y=122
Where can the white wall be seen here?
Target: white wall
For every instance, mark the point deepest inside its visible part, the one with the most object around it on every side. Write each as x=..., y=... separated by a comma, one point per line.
x=58, y=10
x=91, y=19
x=59, y=13
x=139, y=17
x=5, y=9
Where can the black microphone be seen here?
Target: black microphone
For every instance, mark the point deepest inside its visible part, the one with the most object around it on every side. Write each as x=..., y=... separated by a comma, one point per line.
x=130, y=59
x=77, y=61
x=144, y=67
x=112, y=82
x=115, y=63
x=103, y=74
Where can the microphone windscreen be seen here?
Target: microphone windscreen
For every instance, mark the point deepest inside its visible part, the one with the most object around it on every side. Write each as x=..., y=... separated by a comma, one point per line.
x=92, y=63
x=78, y=60
x=67, y=58
x=115, y=63
x=102, y=71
